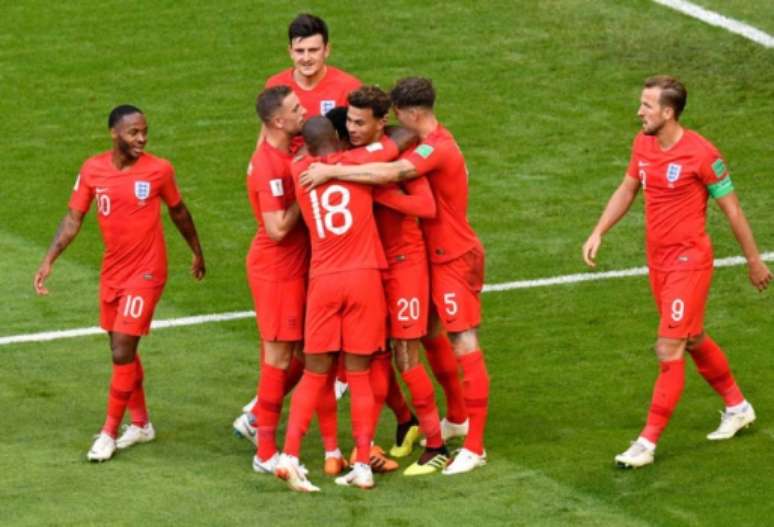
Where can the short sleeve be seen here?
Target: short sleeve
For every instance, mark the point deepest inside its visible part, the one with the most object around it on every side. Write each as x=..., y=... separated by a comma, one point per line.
x=272, y=193
x=426, y=157
x=82, y=194
x=633, y=169
x=714, y=174
x=169, y=191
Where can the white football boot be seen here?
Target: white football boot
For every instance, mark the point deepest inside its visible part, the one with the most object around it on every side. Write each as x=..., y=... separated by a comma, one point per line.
x=732, y=422
x=340, y=388
x=134, y=434
x=268, y=466
x=102, y=449
x=246, y=409
x=637, y=455
x=244, y=428
x=289, y=469
x=464, y=461
x=450, y=430
x=360, y=476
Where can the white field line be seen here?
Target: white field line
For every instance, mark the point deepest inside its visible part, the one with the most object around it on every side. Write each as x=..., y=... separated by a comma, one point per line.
x=237, y=315
x=716, y=19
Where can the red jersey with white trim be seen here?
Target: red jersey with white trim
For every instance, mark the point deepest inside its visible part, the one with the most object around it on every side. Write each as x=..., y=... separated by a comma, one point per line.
x=339, y=214
x=400, y=233
x=331, y=91
x=128, y=214
x=676, y=183
x=270, y=188
x=449, y=234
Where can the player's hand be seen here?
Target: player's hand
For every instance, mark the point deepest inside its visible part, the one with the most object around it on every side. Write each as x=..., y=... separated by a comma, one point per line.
x=590, y=249
x=760, y=276
x=40, y=279
x=198, y=270
x=314, y=176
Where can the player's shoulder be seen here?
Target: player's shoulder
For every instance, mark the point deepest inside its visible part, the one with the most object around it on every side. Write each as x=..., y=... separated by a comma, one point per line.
x=699, y=143
x=96, y=162
x=340, y=76
x=282, y=77
x=157, y=163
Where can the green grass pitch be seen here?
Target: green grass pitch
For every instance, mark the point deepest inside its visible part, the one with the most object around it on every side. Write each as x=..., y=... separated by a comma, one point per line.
x=542, y=99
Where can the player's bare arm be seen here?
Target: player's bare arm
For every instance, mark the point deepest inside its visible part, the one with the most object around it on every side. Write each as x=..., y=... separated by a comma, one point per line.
x=368, y=174
x=184, y=223
x=759, y=273
x=65, y=233
x=279, y=223
x=616, y=208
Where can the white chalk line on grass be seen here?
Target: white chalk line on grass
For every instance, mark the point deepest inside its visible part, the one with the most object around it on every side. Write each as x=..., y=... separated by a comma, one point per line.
x=237, y=315
x=716, y=19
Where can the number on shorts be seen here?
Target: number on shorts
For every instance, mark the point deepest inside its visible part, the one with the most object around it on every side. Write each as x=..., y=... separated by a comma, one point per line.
x=678, y=309
x=133, y=306
x=408, y=309
x=103, y=204
x=324, y=222
x=450, y=300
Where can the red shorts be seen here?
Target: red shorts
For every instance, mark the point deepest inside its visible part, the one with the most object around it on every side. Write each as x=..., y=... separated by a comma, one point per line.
x=681, y=297
x=407, y=290
x=346, y=311
x=456, y=289
x=279, y=308
x=127, y=310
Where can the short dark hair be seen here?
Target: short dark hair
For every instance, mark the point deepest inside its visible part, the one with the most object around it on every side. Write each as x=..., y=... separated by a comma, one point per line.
x=119, y=112
x=673, y=92
x=413, y=91
x=270, y=100
x=372, y=97
x=305, y=25
x=318, y=131
x=338, y=117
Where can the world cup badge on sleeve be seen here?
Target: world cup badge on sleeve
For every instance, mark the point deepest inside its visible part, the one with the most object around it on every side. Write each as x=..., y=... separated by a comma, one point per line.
x=142, y=190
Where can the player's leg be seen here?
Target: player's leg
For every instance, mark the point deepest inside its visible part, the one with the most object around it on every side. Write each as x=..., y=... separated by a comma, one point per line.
x=712, y=364
x=140, y=430
x=381, y=374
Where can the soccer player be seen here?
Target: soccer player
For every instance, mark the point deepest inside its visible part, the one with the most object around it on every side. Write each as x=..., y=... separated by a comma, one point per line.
x=345, y=310
x=678, y=170
x=407, y=287
x=456, y=254
x=128, y=185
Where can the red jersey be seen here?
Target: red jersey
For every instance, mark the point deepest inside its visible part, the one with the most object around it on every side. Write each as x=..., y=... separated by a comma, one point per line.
x=331, y=91
x=676, y=184
x=449, y=234
x=400, y=233
x=339, y=214
x=128, y=214
x=270, y=188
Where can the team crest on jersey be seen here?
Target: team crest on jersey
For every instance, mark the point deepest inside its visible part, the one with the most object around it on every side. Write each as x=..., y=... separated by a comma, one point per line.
x=327, y=105
x=142, y=189
x=673, y=172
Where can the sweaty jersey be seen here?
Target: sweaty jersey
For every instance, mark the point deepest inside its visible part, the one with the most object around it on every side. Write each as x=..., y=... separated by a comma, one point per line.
x=676, y=184
x=128, y=214
x=270, y=188
x=331, y=91
x=339, y=214
x=449, y=234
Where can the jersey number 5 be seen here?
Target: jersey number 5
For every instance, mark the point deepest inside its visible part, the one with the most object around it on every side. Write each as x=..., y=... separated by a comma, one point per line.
x=325, y=219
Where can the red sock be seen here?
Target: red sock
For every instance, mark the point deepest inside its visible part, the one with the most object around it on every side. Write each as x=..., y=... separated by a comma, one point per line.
x=137, y=408
x=713, y=366
x=380, y=380
x=361, y=410
x=302, y=406
x=475, y=386
x=268, y=408
x=327, y=414
x=295, y=370
x=423, y=397
x=666, y=395
x=121, y=387
x=444, y=365
x=395, y=400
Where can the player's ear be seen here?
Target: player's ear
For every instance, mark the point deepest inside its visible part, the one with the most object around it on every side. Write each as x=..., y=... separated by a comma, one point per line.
x=327, y=50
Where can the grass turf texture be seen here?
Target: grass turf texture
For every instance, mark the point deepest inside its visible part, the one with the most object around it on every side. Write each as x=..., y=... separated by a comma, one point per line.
x=541, y=97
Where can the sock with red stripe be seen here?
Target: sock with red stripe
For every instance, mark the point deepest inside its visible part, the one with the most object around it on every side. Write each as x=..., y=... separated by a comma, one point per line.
x=423, y=397
x=713, y=366
x=442, y=361
x=475, y=387
x=137, y=408
x=381, y=370
x=666, y=394
x=122, y=384
x=327, y=416
x=268, y=408
x=302, y=406
x=361, y=410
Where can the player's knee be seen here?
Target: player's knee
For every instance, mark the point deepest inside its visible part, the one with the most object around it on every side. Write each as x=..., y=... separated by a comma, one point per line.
x=464, y=342
x=406, y=356
x=123, y=347
x=694, y=342
x=318, y=362
x=669, y=349
x=277, y=354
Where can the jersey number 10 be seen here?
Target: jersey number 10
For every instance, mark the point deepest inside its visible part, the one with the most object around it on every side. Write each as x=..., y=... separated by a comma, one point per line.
x=325, y=213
